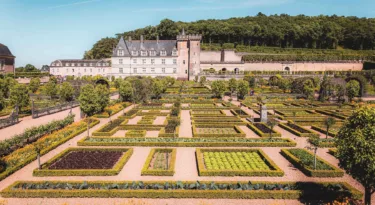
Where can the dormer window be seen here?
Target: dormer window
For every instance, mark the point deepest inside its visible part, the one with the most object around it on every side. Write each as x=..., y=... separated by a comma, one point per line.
x=163, y=53
x=91, y=64
x=67, y=64
x=174, y=53
x=134, y=53
x=152, y=53
x=143, y=53
x=85, y=64
x=78, y=64
x=120, y=52
x=72, y=64
x=53, y=64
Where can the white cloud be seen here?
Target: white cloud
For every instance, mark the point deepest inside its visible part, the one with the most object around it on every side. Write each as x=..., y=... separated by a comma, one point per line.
x=207, y=5
x=70, y=4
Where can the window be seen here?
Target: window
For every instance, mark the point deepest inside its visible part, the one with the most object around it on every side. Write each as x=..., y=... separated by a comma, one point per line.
x=90, y=70
x=143, y=53
x=67, y=64
x=162, y=61
x=174, y=53
x=72, y=64
x=85, y=70
x=144, y=61
x=134, y=70
x=99, y=64
x=135, y=61
x=163, y=53
x=120, y=52
x=85, y=64
x=174, y=70
x=78, y=64
x=175, y=61
x=152, y=61
x=144, y=70
x=120, y=61
x=121, y=70
x=185, y=71
x=1, y=64
x=67, y=70
x=152, y=53
x=134, y=53
x=57, y=70
x=91, y=64
x=163, y=70
x=184, y=62
x=73, y=70
x=152, y=70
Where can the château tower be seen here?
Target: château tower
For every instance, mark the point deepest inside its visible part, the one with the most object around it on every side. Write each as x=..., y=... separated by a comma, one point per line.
x=189, y=47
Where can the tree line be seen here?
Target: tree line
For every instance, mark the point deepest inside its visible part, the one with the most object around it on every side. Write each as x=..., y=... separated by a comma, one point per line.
x=282, y=31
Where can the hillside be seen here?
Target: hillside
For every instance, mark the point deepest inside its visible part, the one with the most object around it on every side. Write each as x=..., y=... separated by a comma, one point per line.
x=284, y=33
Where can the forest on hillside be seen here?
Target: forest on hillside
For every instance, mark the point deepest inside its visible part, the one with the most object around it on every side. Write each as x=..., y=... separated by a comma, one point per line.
x=283, y=32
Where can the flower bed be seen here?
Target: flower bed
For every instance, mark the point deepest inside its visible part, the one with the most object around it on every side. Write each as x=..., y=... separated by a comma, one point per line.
x=182, y=189
x=130, y=114
x=115, y=109
x=86, y=162
x=156, y=162
x=263, y=130
x=209, y=130
x=136, y=133
x=332, y=130
x=235, y=162
x=304, y=161
x=296, y=129
x=188, y=142
x=110, y=128
x=23, y=156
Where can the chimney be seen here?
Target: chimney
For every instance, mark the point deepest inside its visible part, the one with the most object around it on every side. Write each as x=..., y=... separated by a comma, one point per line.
x=157, y=39
x=141, y=39
x=130, y=39
x=183, y=32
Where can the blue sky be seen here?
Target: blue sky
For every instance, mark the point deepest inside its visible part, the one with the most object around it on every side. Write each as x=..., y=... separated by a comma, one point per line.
x=40, y=31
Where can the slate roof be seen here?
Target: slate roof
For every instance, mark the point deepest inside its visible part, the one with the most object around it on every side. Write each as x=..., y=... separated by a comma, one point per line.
x=76, y=61
x=4, y=51
x=147, y=45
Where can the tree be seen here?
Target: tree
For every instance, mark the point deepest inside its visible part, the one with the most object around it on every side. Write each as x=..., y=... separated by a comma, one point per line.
x=118, y=82
x=218, y=88
x=6, y=84
x=50, y=89
x=251, y=80
x=89, y=103
x=352, y=89
x=340, y=92
x=284, y=84
x=66, y=92
x=125, y=91
x=271, y=124
x=243, y=88
x=19, y=95
x=314, y=145
x=173, y=123
x=34, y=84
x=2, y=101
x=30, y=68
x=157, y=89
x=38, y=149
x=104, y=95
x=170, y=81
x=232, y=85
x=45, y=68
x=329, y=122
x=356, y=148
x=202, y=80
x=308, y=89
x=109, y=112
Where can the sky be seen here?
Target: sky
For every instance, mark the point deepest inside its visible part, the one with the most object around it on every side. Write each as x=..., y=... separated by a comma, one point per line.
x=41, y=31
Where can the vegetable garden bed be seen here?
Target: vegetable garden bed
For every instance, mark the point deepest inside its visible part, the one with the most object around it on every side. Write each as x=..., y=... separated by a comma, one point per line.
x=235, y=162
x=86, y=162
x=206, y=130
x=304, y=161
x=263, y=130
x=182, y=189
x=156, y=163
x=135, y=133
x=296, y=129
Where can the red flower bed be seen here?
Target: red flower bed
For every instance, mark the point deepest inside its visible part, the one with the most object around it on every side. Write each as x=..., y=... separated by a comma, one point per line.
x=88, y=160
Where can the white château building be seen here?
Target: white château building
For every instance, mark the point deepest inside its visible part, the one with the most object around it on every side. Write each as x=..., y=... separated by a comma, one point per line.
x=178, y=58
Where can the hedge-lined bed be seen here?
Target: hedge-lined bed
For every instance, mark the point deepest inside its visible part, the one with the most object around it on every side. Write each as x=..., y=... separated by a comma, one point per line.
x=332, y=114
x=86, y=162
x=110, y=128
x=187, y=142
x=212, y=130
x=130, y=114
x=23, y=156
x=155, y=164
x=136, y=133
x=182, y=189
x=296, y=129
x=235, y=162
x=163, y=133
x=263, y=130
x=300, y=157
x=116, y=108
x=332, y=131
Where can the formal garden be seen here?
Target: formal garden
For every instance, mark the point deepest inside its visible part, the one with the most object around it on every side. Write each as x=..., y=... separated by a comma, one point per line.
x=191, y=139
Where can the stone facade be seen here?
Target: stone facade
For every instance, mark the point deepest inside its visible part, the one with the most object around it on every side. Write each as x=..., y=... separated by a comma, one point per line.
x=7, y=60
x=80, y=68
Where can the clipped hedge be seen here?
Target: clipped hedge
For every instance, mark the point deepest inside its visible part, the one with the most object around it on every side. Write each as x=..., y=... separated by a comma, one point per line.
x=73, y=132
x=239, y=133
x=182, y=189
x=162, y=133
x=262, y=134
x=276, y=171
x=135, y=133
x=115, y=124
x=307, y=132
x=146, y=171
x=334, y=172
x=187, y=142
x=321, y=130
x=83, y=172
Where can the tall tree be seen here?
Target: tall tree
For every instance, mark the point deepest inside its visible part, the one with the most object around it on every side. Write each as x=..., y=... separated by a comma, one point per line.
x=218, y=88
x=19, y=95
x=356, y=148
x=232, y=84
x=352, y=89
x=104, y=96
x=125, y=91
x=34, y=84
x=66, y=92
x=243, y=88
x=89, y=103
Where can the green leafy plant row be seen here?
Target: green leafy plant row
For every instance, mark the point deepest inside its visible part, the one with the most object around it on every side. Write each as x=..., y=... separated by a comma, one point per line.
x=148, y=171
x=305, y=132
x=181, y=189
x=262, y=134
